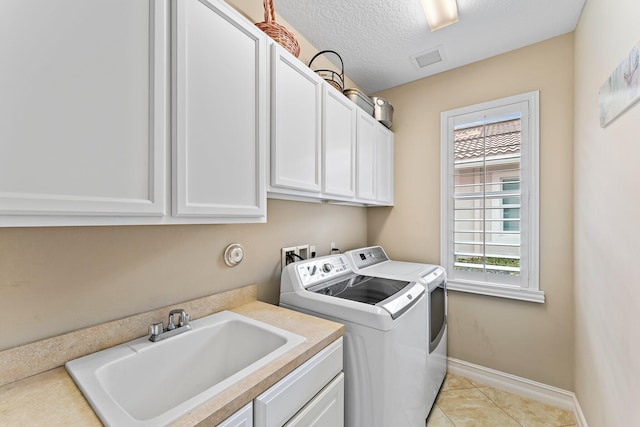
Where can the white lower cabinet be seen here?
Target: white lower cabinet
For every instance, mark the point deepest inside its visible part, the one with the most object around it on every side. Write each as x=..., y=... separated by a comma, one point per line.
x=242, y=418
x=311, y=395
x=324, y=410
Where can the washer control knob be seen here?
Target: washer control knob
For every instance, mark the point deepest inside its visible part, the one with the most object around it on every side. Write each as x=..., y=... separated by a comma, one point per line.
x=327, y=268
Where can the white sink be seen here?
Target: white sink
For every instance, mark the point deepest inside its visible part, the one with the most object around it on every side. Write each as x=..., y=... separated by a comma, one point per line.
x=141, y=383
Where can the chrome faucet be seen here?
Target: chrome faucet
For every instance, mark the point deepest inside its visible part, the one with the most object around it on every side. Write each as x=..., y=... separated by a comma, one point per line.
x=158, y=332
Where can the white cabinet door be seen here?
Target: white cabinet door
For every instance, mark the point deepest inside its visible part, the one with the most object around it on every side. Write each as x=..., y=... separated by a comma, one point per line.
x=384, y=165
x=366, y=154
x=296, y=93
x=219, y=115
x=282, y=401
x=83, y=110
x=324, y=410
x=241, y=418
x=339, y=143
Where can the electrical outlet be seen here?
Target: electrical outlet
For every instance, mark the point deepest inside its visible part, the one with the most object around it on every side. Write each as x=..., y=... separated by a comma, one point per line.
x=333, y=246
x=284, y=254
x=293, y=254
x=303, y=252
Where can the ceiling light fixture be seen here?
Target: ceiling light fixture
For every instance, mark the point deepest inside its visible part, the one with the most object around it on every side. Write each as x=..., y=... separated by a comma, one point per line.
x=440, y=13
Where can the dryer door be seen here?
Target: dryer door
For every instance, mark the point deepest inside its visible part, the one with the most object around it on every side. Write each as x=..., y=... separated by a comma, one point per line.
x=437, y=316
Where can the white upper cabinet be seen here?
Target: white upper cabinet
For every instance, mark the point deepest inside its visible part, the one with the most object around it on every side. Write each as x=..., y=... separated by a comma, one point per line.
x=296, y=99
x=220, y=106
x=162, y=112
x=83, y=110
x=384, y=165
x=339, y=144
x=85, y=113
x=323, y=147
x=366, y=155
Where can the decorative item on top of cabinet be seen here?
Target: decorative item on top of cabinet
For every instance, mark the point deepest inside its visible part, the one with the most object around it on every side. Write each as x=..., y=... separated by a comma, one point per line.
x=277, y=32
x=361, y=99
x=334, y=78
x=383, y=111
x=220, y=112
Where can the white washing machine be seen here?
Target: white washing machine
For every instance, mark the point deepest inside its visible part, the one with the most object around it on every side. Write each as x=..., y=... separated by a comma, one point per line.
x=384, y=346
x=373, y=261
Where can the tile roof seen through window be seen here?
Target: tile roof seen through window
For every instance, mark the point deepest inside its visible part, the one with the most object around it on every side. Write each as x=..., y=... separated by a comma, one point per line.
x=501, y=138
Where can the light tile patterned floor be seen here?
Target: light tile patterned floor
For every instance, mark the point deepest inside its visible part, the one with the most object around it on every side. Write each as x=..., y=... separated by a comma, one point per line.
x=464, y=403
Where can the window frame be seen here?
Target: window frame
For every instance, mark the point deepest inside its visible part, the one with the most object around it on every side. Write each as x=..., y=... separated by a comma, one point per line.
x=527, y=287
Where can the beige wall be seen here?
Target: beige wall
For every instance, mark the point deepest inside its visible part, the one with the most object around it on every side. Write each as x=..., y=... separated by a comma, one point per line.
x=607, y=223
x=57, y=279
x=54, y=280
x=531, y=340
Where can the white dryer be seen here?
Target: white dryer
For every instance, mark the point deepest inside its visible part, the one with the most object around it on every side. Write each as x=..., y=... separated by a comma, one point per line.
x=384, y=346
x=373, y=261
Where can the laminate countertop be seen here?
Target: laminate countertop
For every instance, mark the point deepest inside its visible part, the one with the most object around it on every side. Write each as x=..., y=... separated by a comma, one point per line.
x=51, y=398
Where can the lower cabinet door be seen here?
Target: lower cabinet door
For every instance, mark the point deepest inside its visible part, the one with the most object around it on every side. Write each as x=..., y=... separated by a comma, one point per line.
x=324, y=410
x=288, y=397
x=242, y=418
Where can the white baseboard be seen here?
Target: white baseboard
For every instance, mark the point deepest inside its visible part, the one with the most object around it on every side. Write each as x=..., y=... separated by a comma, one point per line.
x=521, y=386
x=577, y=412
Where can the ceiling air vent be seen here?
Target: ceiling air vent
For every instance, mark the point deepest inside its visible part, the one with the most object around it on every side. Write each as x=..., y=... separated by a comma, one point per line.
x=429, y=57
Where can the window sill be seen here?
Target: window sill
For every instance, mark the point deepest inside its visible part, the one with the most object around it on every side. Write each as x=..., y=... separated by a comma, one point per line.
x=501, y=291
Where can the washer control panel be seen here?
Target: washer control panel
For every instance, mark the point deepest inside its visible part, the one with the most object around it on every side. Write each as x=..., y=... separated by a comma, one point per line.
x=368, y=256
x=318, y=270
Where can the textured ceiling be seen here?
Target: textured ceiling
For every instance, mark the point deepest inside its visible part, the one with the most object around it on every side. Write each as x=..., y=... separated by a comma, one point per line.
x=378, y=38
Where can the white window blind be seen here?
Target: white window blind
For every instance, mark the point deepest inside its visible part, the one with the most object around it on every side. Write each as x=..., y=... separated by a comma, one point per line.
x=489, y=198
x=485, y=154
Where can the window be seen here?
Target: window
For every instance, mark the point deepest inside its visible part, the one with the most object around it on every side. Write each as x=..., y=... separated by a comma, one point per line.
x=489, y=236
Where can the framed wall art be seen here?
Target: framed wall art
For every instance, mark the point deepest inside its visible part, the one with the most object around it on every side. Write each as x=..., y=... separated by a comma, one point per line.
x=621, y=90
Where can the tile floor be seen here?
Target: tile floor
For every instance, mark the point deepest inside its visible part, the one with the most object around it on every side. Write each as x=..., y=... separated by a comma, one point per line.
x=465, y=403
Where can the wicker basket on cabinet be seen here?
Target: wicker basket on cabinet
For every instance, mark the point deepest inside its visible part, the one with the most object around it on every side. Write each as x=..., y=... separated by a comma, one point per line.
x=277, y=32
